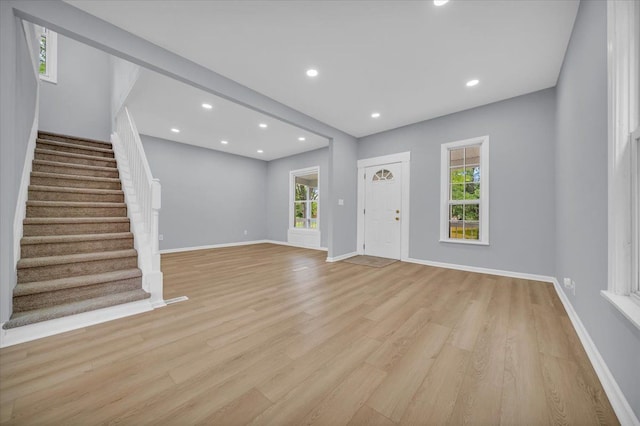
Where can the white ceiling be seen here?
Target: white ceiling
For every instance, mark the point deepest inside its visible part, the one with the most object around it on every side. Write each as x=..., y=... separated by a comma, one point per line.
x=158, y=103
x=408, y=60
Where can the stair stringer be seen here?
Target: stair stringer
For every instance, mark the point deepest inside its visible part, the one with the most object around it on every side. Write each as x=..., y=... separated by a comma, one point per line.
x=147, y=262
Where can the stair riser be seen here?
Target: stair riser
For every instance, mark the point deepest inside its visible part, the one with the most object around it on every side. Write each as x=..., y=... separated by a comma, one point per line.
x=42, y=211
x=74, y=150
x=59, y=297
x=74, y=196
x=77, y=142
x=52, y=272
x=74, y=183
x=59, y=249
x=46, y=168
x=34, y=230
x=95, y=161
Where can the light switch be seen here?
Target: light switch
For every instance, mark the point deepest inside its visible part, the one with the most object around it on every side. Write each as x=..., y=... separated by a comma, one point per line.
x=341, y=202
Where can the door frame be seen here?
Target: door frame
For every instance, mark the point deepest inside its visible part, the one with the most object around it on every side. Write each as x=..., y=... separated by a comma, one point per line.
x=404, y=158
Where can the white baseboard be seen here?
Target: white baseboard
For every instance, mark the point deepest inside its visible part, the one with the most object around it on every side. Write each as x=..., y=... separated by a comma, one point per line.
x=618, y=401
x=342, y=257
x=239, y=243
x=212, y=246
x=284, y=243
x=23, y=191
x=30, y=332
x=499, y=272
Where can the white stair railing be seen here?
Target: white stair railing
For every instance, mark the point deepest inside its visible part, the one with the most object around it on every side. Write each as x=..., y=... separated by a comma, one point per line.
x=142, y=194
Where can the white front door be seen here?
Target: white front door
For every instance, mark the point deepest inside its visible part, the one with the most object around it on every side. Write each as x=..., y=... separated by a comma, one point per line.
x=382, y=214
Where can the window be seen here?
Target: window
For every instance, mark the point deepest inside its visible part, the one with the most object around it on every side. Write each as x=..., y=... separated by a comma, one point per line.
x=635, y=285
x=382, y=175
x=306, y=201
x=465, y=191
x=48, y=55
x=623, y=41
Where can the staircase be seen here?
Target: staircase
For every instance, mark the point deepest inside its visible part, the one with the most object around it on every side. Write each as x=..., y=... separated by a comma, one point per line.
x=77, y=253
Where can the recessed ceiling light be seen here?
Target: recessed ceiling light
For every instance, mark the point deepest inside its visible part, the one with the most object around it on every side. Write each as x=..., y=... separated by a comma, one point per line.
x=472, y=83
x=224, y=142
x=440, y=2
x=375, y=115
x=302, y=138
x=260, y=151
x=207, y=106
x=312, y=73
x=174, y=130
x=263, y=125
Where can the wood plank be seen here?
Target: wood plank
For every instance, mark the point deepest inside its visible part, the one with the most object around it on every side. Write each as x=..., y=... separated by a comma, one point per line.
x=422, y=345
x=435, y=398
x=394, y=394
x=347, y=398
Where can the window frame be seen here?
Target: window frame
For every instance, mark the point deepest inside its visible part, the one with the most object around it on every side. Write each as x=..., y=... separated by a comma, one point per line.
x=51, y=49
x=445, y=184
x=292, y=195
x=635, y=216
x=623, y=72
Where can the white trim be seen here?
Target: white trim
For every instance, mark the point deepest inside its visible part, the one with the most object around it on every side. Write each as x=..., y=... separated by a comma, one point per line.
x=342, y=257
x=483, y=141
x=292, y=175
x=622, y=74
x=285, y=243
x=51, y=75
x=626, y=305
x=303, y=237
x=212, y=246
x=481, y=270
x=237, y=244
x=404, y=158
x=30, y=332
x=618, y=401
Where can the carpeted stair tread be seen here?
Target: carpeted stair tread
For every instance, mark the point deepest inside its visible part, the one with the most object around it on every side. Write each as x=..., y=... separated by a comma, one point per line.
x=73, y=204
x=36, y=262
x=49, y=239
x=58, y=220
x=74, y=177
x=78, y=168
x=19, y=319
x=56, y=136
x=75, y=190
x=72, y=155
x=24, y=289
x=71, y=147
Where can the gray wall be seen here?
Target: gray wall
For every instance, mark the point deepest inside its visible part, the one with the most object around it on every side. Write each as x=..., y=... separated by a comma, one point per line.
x=79, y=104
x=278, y=192
x=208, y=197
x=581, y=196
x=343, y=181
x=72, y=22
x=521, y=217
x=18, y=94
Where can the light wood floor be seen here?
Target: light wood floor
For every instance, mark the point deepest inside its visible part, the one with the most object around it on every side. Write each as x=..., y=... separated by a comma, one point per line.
x=274, y=335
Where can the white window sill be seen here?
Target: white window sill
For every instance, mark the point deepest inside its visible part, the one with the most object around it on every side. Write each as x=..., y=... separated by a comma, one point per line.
x=305, y=230
x=628, y=308
x=48, y=79
x=461, y=241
